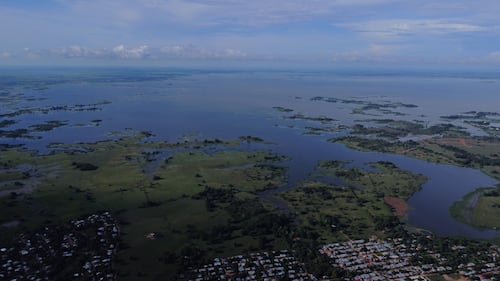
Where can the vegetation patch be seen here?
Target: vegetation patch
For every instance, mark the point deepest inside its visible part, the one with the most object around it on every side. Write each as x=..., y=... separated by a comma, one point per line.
x=387, y=181
x=480, y=208
x=334, y=213
x=359, y=210
x=395, y=129
x=184, y=193
x=367, y=107
x=474, y=152
x=321, y=119
x=398, y=205
x=84, y=166
x=282, y=109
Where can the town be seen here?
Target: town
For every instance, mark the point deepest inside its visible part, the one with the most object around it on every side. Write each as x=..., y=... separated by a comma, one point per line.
x=274, y=265
x=82, y=249
x=364, y=260
x=377, y=260
x=396, y=259
x=381, y=260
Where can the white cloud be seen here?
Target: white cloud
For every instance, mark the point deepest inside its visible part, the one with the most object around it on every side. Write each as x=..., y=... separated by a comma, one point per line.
x=119, y=51
x=213, y=12
x=122, y=52
x=78, y=51
x=494, y=56
x=232, y=53
x=130, y=53
x=374, y=52
x=360, y=2
x=219, y=29
x=191, y=51
x=380, y=49
x=396, y=28
x=5, y=55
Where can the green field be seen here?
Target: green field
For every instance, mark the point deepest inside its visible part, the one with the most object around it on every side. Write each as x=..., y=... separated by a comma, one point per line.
x=335, y=213
x=474, y=152
x=179, y=204
x=480, y=208
x=389, y=180
x=197, y=198
x=487, y=210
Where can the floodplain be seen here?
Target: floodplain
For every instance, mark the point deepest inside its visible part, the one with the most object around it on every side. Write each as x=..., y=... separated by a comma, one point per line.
x=197, y=166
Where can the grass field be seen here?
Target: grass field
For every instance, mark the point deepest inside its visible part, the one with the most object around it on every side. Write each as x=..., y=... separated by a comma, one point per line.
x=338, y=213
x=195, y=203
x=475, y=152
x=487, y=210
x=330, y=213
x=180, y=204
x=388, y=180
x=461, y=210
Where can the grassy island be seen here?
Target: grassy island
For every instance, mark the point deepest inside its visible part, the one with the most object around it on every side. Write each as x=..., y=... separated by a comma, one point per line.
x=480, y=208
x=358, y=210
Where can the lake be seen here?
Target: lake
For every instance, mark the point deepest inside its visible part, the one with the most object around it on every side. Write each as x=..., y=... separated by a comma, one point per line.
x=228, y=104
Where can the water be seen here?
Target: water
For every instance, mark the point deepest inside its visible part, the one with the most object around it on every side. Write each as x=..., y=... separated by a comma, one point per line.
x=227, y=105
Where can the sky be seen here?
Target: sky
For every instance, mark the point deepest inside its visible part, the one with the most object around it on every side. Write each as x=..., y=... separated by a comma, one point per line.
x=249, y=32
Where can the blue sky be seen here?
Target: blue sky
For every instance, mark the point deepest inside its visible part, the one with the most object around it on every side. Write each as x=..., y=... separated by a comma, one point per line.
x=309, y=32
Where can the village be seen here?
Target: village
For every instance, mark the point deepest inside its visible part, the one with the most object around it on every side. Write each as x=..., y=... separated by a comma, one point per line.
x=380, y=260
x=79, y=250
x=396, y=259
x=274, y=265
x=365, y=260
x=84, y=249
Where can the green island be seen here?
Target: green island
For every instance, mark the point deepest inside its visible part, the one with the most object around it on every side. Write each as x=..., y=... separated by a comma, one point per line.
x=367, y=107
x=480, y=208
x=310, y=130
x=354, y=211
x=387, y=180
x=300, y=116
x=488, y=122
x=395, y=129
x=27, y=132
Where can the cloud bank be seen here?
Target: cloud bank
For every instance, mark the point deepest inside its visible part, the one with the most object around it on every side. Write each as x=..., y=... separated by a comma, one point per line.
x=313, y=30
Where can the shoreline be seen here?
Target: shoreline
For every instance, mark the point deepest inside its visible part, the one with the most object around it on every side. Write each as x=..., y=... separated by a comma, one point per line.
x=463, y=210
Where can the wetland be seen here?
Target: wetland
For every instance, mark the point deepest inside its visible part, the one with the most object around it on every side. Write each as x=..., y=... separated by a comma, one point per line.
x=199, y=164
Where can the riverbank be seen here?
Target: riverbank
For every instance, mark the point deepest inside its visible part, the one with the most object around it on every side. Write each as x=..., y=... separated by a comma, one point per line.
x=474, y=152
x=480, y=208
